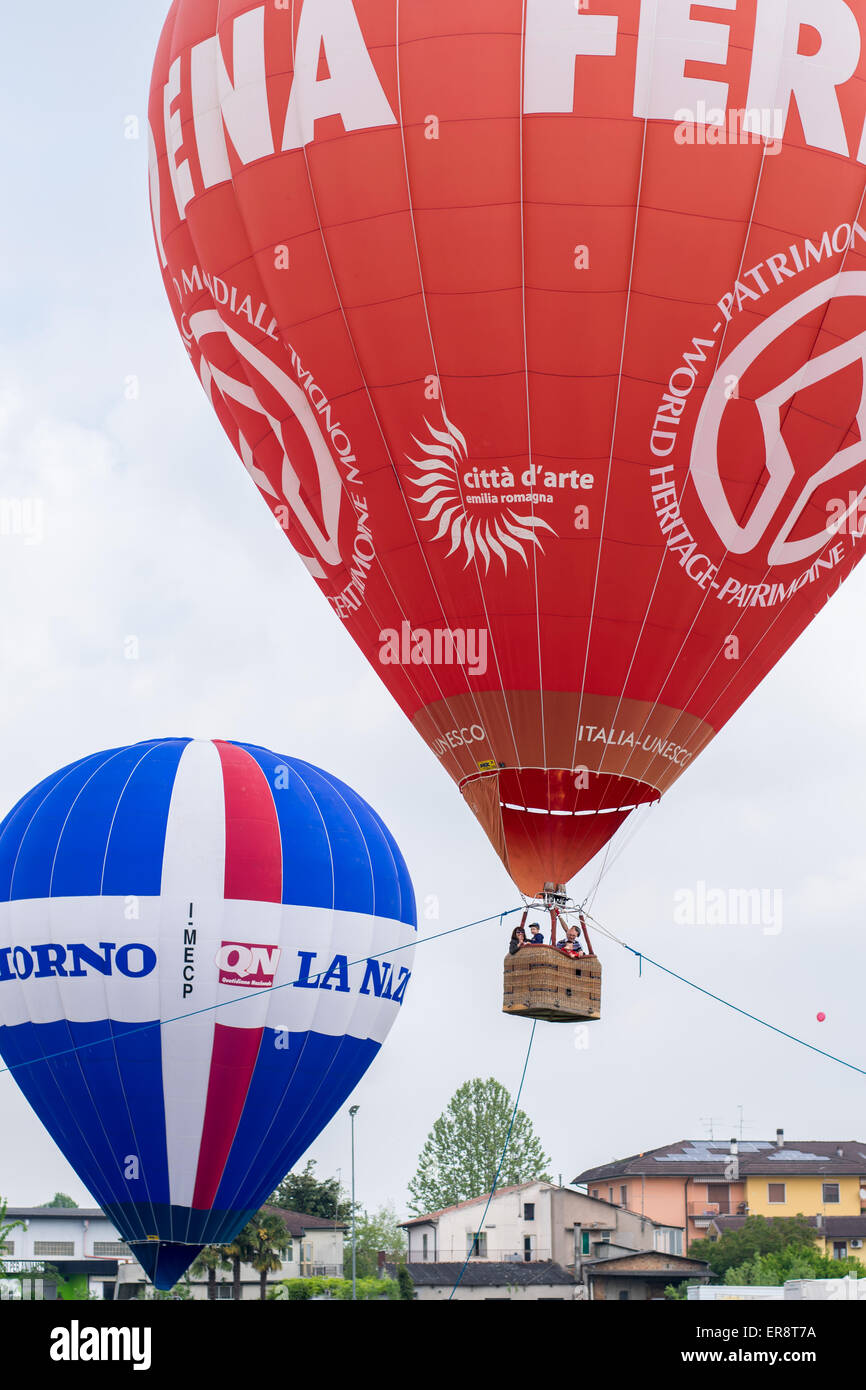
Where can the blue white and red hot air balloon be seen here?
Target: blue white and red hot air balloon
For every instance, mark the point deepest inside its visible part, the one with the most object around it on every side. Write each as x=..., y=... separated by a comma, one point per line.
x=202, y=948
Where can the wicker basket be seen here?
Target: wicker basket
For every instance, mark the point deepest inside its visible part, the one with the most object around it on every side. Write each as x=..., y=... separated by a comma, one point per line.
x=542, y=982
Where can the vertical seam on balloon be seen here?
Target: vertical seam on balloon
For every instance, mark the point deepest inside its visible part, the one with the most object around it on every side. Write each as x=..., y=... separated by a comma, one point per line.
x=53, y=788
x=411, y=209
x=830, y=541
x=782, y=607
x=75, y=1050
x=162, y=743
x=262, y=1029
x=118, y=752
x=521, y=118
x=665, y=551
x=21, y=806
x=296, y=763
x=371, y=916
x=338, y=793
x=391, y=845
x=120, y=1081
x=607, y=488
x=700, y=609
x=407, y=674
x=105, y=760
x=207, y=1021
x=423, y=704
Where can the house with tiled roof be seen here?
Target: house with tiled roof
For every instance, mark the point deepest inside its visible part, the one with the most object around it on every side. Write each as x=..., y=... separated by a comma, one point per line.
x=316, y=1246
x=534, y=1222
x=840, y=1237
x=694, y=1180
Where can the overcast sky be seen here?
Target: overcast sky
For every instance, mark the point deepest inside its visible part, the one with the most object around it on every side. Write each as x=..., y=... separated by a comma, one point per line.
x=153, y=530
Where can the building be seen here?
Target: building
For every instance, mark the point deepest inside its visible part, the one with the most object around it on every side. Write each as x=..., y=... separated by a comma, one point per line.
x=849, y=1289
x=639, y=1276
x=534, y=1222
x=694, y=1180
x=82, y=1245
x=492, y=1281
x=840, y=1237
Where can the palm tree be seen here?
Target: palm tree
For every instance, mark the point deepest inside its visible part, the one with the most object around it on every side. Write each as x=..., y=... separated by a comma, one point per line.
x=240, y=1251
x=269, y=1240
x=211, y=1259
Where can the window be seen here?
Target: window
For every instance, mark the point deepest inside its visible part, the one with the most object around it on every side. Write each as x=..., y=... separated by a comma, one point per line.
x=528, y=1251
x=111, y=1247
x=610, y=1195
x=424, y=1247
x=776, y=1193
x=623, y=1295
x=840, y=1250
x=595, y=1192
x=719, y=1195
x=224, y=1291
x=529, y=1211
x=676, y=1242
x=7, y=1247
x=623, y=1196
x=831, y=1192
x=476, y=1244
x=54, y=1247
x=584, y=1242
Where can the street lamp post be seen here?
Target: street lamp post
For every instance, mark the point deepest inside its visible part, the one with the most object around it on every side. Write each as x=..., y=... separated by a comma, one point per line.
x=353, y=1110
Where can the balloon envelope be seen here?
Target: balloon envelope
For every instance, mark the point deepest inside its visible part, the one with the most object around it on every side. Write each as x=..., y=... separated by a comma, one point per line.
x=540, y=330
x=199, y=959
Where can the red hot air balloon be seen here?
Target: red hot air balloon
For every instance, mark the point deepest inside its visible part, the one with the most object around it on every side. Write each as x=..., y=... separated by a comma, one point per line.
x=541, y=331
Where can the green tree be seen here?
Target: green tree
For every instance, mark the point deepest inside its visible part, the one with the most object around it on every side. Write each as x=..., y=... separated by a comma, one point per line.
x=379, y=1231
x=237, y=1252
x=404, y=1284
x=298, y=1290
x=304, y=1192
x=208, y=1262
x=791, y=1262
x=269, y=1240
x=261, y=1244
x=60, y=1199
x=462, y=1152
x=759, y=1235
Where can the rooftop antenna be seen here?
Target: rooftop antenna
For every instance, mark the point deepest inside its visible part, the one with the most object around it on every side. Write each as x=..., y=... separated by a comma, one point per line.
x=710, y=1121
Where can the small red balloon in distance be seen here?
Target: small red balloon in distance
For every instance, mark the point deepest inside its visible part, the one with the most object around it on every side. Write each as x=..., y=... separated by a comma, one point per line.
x=821, y=1017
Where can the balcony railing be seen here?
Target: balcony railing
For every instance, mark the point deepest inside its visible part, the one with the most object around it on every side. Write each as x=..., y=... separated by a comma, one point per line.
x=707, y=1210
x=456, y=1255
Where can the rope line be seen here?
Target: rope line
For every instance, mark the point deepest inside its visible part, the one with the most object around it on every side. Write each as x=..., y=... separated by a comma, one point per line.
x=642, y=958
x=501, y=1161
x=438, y=936
x=242, y=999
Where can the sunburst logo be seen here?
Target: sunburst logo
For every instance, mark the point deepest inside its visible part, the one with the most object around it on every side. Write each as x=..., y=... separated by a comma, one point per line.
x=445, y=456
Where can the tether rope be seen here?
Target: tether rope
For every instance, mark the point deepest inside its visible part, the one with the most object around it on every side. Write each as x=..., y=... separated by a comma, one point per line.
x=477, y=1234
x=243, y=999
